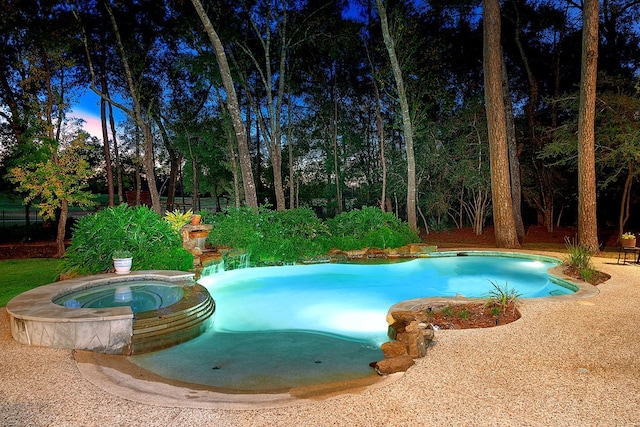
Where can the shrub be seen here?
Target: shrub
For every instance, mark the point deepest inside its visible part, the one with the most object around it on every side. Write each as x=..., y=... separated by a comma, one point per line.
x=236, y=228
x=271, y=236
x=151, y=241
x=298, y=234
x=369, y=227
x=293, y=235
x=206, y=216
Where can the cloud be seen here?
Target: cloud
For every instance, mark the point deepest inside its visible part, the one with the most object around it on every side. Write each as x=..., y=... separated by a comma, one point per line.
x=91, y=123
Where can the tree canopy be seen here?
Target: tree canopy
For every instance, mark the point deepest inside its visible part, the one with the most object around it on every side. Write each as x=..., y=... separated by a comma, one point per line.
x=299, y=103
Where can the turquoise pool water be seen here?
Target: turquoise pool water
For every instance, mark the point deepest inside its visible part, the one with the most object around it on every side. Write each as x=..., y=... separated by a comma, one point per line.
x=280, y=327
x=142, y=295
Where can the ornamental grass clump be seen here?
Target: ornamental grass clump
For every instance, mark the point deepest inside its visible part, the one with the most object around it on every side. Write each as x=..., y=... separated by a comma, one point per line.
x=579, y=259
x=178, y=219
x=501, y=297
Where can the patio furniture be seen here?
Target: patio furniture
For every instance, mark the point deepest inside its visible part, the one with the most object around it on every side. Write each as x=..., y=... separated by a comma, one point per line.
x=624, y=251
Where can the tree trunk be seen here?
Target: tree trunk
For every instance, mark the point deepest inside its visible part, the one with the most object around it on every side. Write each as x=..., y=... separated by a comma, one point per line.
x=381, y=140
x=174, y=159
x=27, y=217
x=514, y=161
x=150, y=167
x=334, y=137
x=587, y=218
x=544, y=174
x=137, y=115
x=233, y=107
x=272, y=131
x=276, y=163
x=389, y=42
x=233, y=164
x=626, y=199
x=292, y=188
x=276, y=156
x=105, y=142
x=138, y=171
x=195, y=186
x=62, y=226
x=504, y=223
x=116, y=152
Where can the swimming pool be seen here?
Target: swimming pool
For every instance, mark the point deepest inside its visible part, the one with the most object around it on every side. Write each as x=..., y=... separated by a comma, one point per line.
x=353, y=299
x=274, y=327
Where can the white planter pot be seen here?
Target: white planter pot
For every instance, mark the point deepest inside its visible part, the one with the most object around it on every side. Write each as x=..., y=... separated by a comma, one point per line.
x=122, y=265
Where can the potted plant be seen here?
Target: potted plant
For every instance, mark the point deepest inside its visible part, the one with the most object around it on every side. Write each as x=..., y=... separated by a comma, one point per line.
x=628, y=240
x=122, y=261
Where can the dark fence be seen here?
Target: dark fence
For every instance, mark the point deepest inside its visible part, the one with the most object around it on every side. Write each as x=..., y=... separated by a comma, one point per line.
x=17, y=217
x=11, y=218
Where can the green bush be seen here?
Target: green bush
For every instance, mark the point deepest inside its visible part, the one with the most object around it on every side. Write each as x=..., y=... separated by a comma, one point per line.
x=298, y=234
x=237, y=228
x=270, y=236
x=369, y=227
x=206, y=216
x=293, y=235
x=139, y=230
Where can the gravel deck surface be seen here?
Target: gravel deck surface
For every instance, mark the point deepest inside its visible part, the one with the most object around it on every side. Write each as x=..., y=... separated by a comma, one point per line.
x=573, y=363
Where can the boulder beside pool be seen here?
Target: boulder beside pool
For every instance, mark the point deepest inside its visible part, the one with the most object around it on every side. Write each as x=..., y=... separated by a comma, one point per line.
x=412, y=336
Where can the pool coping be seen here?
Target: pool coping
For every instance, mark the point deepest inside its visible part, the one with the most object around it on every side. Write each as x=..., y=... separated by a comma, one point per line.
x=36, y=320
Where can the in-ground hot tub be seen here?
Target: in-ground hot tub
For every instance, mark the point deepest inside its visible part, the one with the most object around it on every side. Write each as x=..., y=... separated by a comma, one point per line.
x=113, y=314
x=140, y=295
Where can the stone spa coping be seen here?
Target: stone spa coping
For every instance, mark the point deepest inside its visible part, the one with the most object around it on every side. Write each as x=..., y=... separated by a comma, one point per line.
x=37, y=320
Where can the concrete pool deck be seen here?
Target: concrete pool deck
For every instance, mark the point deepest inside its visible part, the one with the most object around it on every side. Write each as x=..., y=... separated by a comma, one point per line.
x=565, y=362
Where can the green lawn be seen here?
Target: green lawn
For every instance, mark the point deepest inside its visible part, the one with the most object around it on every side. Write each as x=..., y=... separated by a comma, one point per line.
x=19, y=275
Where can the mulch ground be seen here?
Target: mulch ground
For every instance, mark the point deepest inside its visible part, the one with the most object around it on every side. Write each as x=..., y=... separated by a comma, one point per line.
x=534, y=236
x=28, y=250
x=471, y=315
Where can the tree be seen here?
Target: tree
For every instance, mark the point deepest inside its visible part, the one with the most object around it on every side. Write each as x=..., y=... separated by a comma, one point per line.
x=135, y=86
x=136, y=113
x=55, y=178
x=535, y=39
x=37, y=74
x=587, y=218
x=618, y=135
x=271, y=66
x=406, y=116
x=503, y=220
x=232, y=106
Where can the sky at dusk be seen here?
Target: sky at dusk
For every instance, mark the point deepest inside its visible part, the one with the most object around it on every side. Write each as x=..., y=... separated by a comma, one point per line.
x=88, y=109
